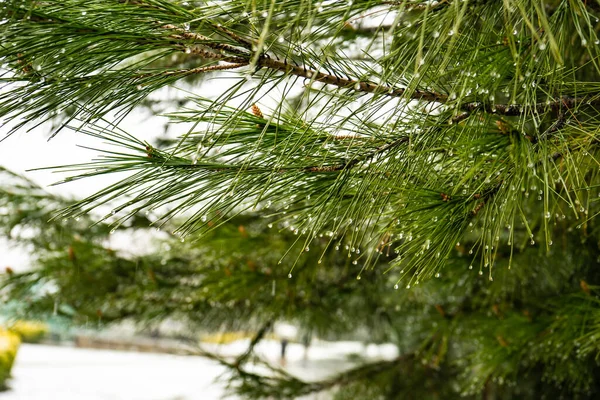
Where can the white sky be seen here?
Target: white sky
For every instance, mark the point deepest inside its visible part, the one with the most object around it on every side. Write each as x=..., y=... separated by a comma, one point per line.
x=24, y=151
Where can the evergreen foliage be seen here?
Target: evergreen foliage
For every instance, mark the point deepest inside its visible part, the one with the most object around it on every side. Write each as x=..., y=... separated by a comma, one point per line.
x=394, y=142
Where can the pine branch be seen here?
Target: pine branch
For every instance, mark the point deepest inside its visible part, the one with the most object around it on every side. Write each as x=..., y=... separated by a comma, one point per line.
x=313, y=75
x=368, y=87
x=286, y=385
x=364, y=372
x=258, y=337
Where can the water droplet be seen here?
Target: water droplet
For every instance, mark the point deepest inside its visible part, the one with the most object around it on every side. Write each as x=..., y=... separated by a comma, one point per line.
x=265, y=14
x=470, y=267
x=290, y=276
x=307, y=249
x=112, y=231
x=408, y=286
x=480, y=272
x=542, y=46
x=83, y=12
x=515, y=32
x=203, y=218
x=436, y=34
x=547, y=215
x=358, y=278
x=584, y=42
x=354, y=262
x=270, y=225
x=451, y=32
x=396, y=286
x=188, y=50
x=437, y=275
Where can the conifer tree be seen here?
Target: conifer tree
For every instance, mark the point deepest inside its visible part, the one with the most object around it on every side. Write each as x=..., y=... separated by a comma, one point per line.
x=445, y=150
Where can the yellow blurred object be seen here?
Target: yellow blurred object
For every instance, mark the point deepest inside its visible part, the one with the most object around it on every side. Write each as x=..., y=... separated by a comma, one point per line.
x=29, y=331
x=230, y=337
x=9, y=344
x=225, y=337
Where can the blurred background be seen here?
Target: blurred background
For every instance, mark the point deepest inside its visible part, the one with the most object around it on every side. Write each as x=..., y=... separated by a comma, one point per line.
x=111, y=335
x=116, y=304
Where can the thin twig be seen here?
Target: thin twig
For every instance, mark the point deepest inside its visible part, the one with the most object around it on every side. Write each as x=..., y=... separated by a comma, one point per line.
x=418, y=6
x=486, y=197
x=242, y=41
x=255, y=340
x=355, y=161
x=205, y=40
x=555, y=127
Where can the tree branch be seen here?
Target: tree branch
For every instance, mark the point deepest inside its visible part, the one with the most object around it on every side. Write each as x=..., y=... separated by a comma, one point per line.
x=240, y=57
x=359, y=86
x=368, y=87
